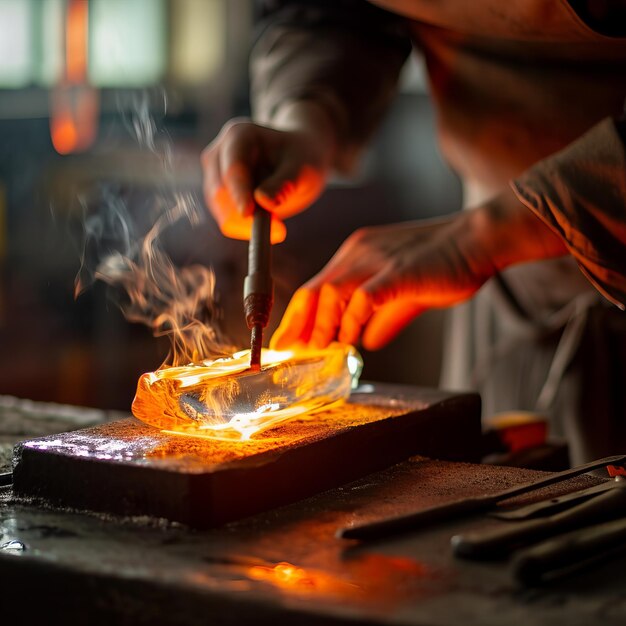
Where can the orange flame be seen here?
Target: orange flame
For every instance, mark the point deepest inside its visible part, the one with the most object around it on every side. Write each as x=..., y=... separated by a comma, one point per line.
x=224, y=399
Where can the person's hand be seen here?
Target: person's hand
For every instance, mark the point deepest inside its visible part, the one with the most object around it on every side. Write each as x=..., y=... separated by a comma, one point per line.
x=378, y=280
x=382, y=277
x=284, y=171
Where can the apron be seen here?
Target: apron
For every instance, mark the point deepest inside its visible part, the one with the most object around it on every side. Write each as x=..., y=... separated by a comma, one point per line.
x=511, y=84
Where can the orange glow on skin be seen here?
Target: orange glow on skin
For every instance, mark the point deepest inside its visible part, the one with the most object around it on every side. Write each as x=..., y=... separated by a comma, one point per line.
x=234, y=225
x=233, y=205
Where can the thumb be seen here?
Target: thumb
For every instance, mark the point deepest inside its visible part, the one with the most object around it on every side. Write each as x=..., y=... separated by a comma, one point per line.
x=393, y=308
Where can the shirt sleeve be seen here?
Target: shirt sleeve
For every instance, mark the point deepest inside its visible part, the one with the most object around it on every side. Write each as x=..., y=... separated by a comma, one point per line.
x=580, y=193
x=346, y=55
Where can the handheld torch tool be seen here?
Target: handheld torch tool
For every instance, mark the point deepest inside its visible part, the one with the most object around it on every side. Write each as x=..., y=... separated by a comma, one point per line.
x=258, y=287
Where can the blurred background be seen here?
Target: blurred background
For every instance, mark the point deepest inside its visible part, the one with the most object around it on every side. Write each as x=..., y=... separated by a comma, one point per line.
x=72, y=75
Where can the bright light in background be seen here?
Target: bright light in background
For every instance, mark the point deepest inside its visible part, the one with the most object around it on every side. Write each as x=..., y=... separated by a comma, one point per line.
x=16, y=57
x=76, y=41
x=74, y=104
x=127, y=43
x=132, y=43
x=198, y=39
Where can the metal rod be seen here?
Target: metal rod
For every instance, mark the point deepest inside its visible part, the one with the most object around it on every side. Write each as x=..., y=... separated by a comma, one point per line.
x=256, y=343
x=258, y=288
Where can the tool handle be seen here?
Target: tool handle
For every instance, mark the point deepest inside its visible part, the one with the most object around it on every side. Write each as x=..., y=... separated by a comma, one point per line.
x=467, y=506
x=419, y=519
x=569, y=552
x=500, y=542
x=260, y=247
x=258, y=287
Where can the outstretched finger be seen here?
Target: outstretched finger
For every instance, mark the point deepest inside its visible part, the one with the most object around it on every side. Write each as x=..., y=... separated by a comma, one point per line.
x=367, y=299
x=387, y=321
x=297, y=322
x=357, y=314
x=328, y=316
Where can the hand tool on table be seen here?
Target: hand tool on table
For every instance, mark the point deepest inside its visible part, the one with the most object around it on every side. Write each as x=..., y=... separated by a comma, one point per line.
x=258, y=287
x=570, y=552
x=467, y=506
x=560, y=503
x=551, y=506
x=499, y=542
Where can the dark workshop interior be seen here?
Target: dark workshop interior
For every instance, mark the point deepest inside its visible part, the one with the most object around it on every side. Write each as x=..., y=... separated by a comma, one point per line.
x=475, y=475
x=201, y=74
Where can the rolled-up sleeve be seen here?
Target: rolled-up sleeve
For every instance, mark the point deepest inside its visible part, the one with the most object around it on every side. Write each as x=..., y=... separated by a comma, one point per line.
x=345, y=55
x=580, y=193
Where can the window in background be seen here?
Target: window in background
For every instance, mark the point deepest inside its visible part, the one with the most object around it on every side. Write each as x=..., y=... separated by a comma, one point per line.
x=198, y=40
x=127, y=42
x=132, y=43
x=49, y=41
x=16, y=49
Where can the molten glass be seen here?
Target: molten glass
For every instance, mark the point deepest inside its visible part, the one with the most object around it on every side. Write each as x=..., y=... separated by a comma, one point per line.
x=225, y=399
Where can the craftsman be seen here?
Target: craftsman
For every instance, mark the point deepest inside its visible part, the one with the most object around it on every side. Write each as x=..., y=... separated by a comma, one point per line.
x=528, y=98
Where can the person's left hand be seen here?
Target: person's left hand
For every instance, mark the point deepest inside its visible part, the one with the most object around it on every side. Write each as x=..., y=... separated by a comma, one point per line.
x=382, y=277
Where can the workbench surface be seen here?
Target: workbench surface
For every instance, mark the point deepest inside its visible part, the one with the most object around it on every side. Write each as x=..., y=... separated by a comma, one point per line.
x=286, y=566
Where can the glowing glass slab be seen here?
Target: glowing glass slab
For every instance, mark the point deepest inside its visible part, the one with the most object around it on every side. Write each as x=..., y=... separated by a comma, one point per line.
x=224, y=399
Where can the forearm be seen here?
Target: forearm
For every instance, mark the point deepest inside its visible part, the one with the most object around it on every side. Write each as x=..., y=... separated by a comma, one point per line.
x=341, y=60
x=510, y=233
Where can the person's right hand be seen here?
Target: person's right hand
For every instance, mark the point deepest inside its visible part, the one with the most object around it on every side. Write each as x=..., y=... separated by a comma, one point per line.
x=284, y=171
x=384, y=276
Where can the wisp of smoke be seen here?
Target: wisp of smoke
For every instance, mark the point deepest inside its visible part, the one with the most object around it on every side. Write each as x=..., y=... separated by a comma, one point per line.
x=177, y=302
